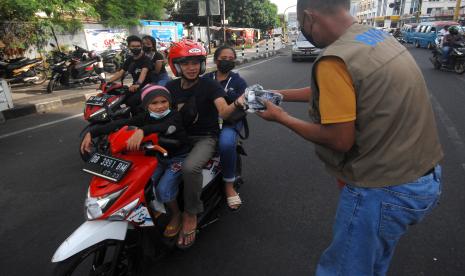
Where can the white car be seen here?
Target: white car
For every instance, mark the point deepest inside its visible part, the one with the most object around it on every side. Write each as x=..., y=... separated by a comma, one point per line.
x=302, y=49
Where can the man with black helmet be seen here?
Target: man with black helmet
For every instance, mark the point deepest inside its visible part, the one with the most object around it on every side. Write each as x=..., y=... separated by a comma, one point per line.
x=451, y=40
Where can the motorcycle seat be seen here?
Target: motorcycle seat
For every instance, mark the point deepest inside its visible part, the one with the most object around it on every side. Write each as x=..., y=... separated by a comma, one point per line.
x=84, y=64
x=21, y=63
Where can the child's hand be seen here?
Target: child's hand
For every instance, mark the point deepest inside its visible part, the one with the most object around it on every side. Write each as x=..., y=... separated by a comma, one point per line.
x=86, y=143
x=135, y=140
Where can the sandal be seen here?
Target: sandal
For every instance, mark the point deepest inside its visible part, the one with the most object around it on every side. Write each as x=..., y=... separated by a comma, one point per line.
x=234, y=201
x=184, y=235
x=172, y=231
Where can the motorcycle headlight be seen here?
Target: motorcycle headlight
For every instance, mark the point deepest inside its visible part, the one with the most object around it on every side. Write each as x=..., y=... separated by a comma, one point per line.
x=122, y=213
x=99, y=115
x=96, y=206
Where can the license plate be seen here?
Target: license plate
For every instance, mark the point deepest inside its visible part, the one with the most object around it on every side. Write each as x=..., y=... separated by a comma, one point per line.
x=98, y=100
x=107, y=167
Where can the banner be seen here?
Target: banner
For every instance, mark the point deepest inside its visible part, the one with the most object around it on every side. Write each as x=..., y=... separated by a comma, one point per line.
x=6, y=102
x=101, y=40
x=164, y=33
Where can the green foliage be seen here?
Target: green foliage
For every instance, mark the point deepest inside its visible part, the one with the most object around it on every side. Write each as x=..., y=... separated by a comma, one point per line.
x=119, y=13
x=260, y=14
x=27, y=22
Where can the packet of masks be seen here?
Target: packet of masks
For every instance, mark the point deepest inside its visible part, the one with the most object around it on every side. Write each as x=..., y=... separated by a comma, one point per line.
x=255, y=97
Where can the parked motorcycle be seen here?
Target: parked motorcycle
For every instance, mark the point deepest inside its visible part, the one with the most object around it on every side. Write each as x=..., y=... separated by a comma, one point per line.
x=23, y=70
x=110, y=62
x=78, y=68
x=456, y=61
x=103, y=108
x=120, y=206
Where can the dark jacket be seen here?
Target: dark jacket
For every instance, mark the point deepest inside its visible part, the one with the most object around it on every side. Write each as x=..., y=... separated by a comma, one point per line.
x=151, y=125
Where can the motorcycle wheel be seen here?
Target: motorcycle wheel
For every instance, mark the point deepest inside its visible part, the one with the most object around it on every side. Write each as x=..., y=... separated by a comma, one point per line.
x=42, y=77
x=459, y=68
x=51, y=85
x=96, y=260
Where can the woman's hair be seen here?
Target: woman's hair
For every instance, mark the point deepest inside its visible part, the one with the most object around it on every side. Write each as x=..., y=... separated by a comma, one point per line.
x=152, y=39
x=220, y=49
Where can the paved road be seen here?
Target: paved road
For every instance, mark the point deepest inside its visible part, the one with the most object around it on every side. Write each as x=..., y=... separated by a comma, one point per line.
x=290, y=201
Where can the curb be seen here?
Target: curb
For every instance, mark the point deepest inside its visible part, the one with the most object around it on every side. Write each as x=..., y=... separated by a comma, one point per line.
x=42, y=106
x=45, y=105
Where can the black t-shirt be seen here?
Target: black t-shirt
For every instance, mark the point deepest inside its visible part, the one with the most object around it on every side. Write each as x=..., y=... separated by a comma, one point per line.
x=205, y=91
x=158, y=56
x=135, y=66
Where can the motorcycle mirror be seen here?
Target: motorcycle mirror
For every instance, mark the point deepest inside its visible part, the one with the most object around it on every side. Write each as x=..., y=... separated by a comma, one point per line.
x=171, y=129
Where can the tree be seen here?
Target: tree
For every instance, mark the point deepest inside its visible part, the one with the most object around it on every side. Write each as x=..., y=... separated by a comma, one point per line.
x=260, y=14
x=28, y=22
x=120, y=13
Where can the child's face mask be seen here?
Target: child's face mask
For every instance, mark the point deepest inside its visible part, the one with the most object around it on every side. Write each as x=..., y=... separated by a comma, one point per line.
x=159, y=115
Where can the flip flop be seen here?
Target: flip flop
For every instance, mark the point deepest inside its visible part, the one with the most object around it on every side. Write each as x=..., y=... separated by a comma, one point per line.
x=234, y=201
x=172, y=231
x=184, y=235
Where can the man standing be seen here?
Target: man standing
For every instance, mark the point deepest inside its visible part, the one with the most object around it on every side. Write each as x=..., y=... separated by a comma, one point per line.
x=373, y=128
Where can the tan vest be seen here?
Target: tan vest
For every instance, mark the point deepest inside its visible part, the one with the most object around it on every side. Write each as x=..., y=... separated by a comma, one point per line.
x=396, y=140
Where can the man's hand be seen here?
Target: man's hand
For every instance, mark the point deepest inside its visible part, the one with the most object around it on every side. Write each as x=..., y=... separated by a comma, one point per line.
x=272, y=112
x=86, y=143
x=133, y=88
x=135, y=140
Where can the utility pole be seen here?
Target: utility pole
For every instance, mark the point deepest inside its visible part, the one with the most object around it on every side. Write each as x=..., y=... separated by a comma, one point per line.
x=208, y=24
x=457, y=10
x=224, y=19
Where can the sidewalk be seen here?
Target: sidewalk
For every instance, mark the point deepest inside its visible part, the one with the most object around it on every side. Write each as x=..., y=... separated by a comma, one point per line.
x=33, y=99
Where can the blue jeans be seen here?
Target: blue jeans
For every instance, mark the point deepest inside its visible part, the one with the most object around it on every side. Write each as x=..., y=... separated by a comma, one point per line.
x=228, y=155
x=445, y=53
x=167, y=177
x=370, y=221
x=161, y=79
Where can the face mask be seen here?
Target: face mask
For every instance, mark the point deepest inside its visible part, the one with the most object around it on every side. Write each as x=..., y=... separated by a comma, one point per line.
x=147, y=49
x=136, y=51
x=159, y=115
x=309, y=37
x=225, y=66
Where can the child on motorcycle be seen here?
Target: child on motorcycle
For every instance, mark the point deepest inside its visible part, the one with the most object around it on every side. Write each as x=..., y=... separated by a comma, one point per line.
x=156, y=118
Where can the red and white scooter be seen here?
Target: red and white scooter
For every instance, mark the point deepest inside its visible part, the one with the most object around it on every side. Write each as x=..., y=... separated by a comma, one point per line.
x=120, y=203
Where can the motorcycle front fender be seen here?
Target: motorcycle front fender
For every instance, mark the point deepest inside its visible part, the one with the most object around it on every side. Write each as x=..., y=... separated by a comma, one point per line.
x=89, y=234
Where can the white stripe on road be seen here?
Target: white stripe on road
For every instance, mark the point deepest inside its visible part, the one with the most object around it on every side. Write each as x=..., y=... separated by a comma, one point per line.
x=39, y=126
x=239, y=69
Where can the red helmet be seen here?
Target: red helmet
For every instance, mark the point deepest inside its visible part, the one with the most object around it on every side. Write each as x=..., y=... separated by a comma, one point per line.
x=185, y=50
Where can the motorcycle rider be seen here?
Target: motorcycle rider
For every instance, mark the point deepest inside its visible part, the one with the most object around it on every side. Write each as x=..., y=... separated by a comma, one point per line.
x=139, y=66
x=159, y=74
x=450, y=41
x=200, y=101
x=234, y=86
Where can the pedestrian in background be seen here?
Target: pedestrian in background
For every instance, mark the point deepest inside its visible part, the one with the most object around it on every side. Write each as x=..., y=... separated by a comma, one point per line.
x=374, y=129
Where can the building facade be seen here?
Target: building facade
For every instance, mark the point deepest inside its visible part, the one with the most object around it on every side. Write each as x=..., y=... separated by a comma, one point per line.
x=394, y=13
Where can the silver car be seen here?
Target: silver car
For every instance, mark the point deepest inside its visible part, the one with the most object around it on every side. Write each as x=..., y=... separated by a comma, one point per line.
x=302, y=49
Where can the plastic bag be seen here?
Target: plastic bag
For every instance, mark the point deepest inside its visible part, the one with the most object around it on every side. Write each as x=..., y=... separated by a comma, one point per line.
x=255, y=97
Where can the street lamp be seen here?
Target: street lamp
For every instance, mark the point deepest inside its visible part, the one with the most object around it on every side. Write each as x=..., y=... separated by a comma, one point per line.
x=285, y=10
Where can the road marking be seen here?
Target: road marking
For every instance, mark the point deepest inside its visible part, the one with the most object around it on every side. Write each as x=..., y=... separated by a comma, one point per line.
x=39, y=126
x=239, y=69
